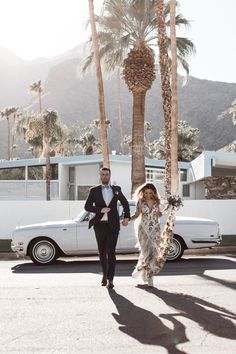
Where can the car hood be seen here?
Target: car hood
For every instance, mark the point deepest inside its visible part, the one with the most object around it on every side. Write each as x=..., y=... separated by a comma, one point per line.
x=48, y=224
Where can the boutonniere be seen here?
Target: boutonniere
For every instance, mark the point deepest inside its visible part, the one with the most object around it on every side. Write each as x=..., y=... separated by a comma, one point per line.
x=115, y=191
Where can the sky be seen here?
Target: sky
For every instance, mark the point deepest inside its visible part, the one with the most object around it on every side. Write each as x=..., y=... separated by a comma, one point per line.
x=46, y=28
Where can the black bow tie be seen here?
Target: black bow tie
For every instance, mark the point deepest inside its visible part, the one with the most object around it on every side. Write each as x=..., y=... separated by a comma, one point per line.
x=106, y=186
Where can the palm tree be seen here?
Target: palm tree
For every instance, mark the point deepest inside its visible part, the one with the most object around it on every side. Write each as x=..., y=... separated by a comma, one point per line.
x=166, y=89
x=36, y=141
x=120, y=117
x=88, y=142
x=174, y=103
x=130, y=26
x=6, y=113
x=46, y=127
x=37, y=87
x=101, y=103
x=188, y=143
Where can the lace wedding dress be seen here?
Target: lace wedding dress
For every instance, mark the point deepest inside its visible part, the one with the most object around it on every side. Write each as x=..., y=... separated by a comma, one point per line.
x=148, y=234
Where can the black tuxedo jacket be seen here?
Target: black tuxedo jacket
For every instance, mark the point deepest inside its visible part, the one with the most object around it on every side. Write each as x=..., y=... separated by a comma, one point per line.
x=95, y=203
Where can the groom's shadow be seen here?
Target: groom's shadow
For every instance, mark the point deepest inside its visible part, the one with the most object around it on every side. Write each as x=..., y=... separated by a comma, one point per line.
x=212, y=318
x=145, y=327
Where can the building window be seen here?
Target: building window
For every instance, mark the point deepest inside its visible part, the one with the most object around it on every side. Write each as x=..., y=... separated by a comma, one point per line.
x=183, y=175
x=186, y=190
x=82, y=192
x=155, y=174
x=39, y=173
x=17, y=173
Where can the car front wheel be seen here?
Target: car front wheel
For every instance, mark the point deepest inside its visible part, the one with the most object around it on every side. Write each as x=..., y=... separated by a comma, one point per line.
x=176, y=249
x=43, y=251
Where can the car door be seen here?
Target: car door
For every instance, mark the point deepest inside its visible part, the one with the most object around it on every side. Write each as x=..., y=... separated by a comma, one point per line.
x=86, y=241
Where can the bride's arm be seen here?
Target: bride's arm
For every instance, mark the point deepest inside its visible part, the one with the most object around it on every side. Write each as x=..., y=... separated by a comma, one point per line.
x=137, y=212
x=163, y=212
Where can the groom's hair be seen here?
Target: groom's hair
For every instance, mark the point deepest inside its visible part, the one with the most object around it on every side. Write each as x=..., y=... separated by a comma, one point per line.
x=105, y=169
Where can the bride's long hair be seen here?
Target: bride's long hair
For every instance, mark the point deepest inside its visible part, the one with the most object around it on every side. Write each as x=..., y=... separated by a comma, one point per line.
x=139, y=193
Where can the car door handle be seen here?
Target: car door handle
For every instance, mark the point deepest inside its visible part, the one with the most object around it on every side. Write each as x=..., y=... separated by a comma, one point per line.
x=64, y=229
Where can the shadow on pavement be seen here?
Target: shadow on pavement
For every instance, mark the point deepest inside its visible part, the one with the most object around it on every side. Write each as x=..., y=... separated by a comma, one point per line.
x=210, y=317
x=145, y=327
x=187, y=266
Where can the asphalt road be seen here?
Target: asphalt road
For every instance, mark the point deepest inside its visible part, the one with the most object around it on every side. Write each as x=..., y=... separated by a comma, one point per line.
x=63, y=309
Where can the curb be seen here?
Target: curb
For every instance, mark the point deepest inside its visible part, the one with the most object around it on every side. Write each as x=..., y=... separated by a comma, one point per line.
x=202, y=251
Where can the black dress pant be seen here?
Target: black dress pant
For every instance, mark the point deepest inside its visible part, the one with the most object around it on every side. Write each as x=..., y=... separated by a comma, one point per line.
x=106, y=240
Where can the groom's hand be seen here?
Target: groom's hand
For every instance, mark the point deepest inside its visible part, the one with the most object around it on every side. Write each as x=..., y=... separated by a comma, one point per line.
x=105, y=210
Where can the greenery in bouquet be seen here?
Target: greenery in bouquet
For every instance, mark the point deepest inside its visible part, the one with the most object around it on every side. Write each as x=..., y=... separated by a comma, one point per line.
x=175, y=201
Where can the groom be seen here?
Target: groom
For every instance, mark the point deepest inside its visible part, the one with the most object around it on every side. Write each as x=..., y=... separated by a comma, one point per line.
x=102, y=200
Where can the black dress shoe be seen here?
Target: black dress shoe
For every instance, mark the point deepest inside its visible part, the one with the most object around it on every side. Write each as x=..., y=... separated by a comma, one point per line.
x=110, y=284
x=104, y=281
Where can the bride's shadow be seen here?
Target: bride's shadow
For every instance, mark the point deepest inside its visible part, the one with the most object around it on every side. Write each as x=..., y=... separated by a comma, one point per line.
x=145, y=327
x=210, y=317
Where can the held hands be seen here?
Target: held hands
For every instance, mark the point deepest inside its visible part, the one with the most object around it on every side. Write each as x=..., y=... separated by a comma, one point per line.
x=125, y=222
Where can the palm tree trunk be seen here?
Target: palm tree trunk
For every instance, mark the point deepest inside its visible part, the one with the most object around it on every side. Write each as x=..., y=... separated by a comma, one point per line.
x=40, y=103
x=166, y=89
x=174, y=102
x=8, y=139
x=101, y=103
x=47, y=174
x=138, y=160
x=120, y=113
x=13, y=134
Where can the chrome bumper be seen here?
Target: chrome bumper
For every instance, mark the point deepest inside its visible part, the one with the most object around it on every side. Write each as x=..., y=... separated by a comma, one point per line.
x=17, y=249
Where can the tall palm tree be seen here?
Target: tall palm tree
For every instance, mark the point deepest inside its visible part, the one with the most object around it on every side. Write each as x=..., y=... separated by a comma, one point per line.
x=130, y=26
x=120, y=117
x=166, y=88
x=37, y=88
x=174, y=102
x=6, y=113
x=45, y=125
x=101, y=102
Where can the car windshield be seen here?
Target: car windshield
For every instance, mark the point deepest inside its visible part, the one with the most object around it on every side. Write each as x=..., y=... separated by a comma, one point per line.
x=80, y=215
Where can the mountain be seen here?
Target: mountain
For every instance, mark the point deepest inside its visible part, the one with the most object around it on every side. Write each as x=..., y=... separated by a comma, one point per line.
x=75, y=98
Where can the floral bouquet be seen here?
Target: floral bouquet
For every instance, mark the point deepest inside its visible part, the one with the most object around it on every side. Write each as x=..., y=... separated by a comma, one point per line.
x=175, y=201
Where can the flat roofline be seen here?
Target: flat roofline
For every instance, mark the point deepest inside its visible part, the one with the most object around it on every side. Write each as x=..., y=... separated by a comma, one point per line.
x=83, y=160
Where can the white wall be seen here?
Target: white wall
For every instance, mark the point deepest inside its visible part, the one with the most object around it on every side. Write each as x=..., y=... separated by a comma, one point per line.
x=223, y=211
x=87, y=175
x=120, y=174
x=16, y=213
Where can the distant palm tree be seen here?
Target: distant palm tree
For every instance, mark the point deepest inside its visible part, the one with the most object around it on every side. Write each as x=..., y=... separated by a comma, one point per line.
x=88, y=142
x=188, y=146
x=37, y=87
x=46, y=126
x=101, y=102
x=36, y=141
x=129, y=26
x=6, y=113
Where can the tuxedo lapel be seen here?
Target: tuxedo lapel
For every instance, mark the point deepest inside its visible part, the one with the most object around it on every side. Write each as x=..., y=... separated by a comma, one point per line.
x=100, y=195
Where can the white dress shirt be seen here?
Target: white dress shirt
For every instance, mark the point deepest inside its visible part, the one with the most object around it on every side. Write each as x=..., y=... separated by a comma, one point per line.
x=107, y=194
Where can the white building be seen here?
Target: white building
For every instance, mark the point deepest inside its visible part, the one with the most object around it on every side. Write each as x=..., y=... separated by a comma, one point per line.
x=73, y=176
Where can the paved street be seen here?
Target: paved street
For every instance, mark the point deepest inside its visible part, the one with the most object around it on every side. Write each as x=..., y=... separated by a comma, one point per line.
x=63, y=309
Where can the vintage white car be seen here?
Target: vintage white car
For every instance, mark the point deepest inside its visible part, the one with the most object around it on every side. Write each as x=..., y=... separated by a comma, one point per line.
x=45, y=242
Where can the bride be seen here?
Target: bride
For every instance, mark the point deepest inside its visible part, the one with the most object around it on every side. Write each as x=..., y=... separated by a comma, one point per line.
x=148, y=216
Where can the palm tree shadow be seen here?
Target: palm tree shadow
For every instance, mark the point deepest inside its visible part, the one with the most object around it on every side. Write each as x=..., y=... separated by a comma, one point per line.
x=210, y=317
x=145, y=327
